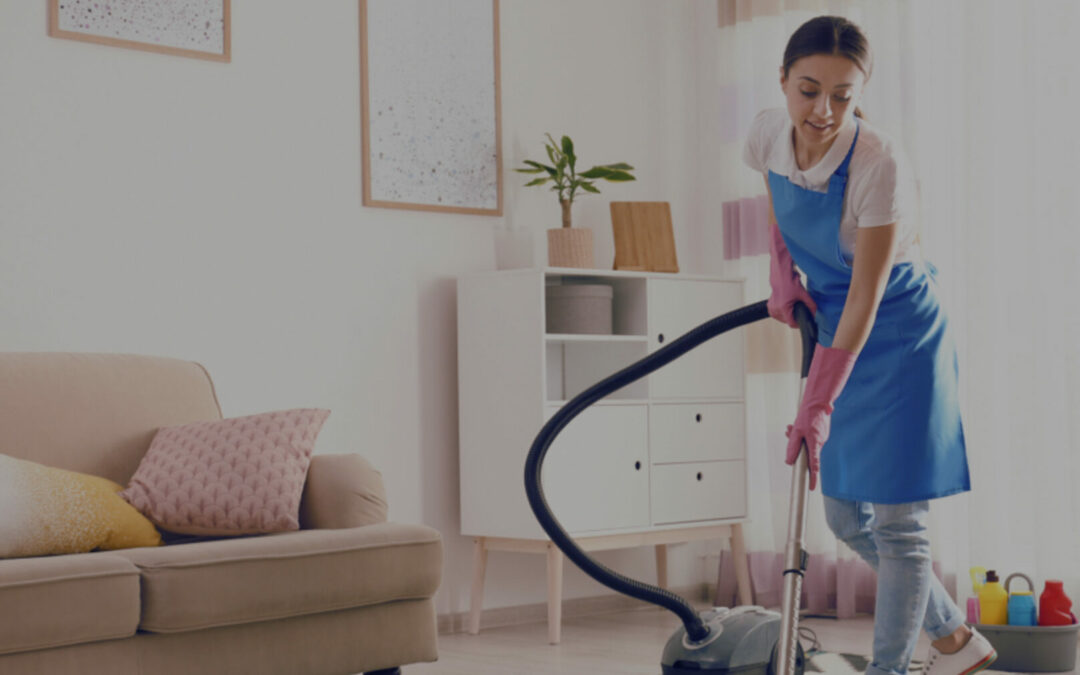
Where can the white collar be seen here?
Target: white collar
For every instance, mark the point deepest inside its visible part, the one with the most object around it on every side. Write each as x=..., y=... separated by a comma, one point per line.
x=820, y=173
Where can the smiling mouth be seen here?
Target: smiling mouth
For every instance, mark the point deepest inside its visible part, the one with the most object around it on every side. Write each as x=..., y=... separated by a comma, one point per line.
x=819, y=127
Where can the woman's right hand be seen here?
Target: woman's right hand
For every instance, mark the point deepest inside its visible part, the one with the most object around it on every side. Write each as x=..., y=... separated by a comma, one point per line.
x=787, y=288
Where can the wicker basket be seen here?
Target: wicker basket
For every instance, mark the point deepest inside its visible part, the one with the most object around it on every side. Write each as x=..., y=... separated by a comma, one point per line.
x=570, y=247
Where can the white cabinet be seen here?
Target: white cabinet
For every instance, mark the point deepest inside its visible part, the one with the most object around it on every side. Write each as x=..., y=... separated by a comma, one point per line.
x=665, y=454
x=513, y=376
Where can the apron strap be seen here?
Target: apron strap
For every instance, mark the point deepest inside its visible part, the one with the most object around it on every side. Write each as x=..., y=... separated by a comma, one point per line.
x=842, y=171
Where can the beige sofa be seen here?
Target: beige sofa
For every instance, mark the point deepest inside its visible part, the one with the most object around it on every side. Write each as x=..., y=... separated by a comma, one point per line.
x=348, y=593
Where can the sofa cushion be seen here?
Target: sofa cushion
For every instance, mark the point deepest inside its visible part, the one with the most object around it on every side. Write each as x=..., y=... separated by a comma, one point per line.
x=237, y=580
x=65, y=600
x=49, y=511
x=243, y=475
x=342, y=491
x=96, y=413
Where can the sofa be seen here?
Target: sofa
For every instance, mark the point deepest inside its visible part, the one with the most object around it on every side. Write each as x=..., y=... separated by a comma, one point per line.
x=347, y=593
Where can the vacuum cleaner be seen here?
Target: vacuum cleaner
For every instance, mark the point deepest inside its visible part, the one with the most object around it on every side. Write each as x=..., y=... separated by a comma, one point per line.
x=748, y=640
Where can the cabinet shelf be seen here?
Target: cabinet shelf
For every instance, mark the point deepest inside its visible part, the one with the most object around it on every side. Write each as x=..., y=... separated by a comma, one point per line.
x=581, y=337
x=601, y=402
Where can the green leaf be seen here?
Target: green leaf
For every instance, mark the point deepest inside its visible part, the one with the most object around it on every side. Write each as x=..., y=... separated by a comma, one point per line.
x=621, y=166
x=538, y=181
x=596, y=172
x=568, y=150
x=588, y=187
x=619, y=177
x=552, y=151
x=529, y=170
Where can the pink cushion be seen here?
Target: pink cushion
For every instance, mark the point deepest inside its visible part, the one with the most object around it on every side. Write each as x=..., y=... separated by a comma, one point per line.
x=243, y=475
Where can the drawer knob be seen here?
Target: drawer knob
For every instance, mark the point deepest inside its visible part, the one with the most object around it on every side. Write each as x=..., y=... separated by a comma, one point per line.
x=637, y=466
x=699, y=476
x=661, y=338
x=697, y=417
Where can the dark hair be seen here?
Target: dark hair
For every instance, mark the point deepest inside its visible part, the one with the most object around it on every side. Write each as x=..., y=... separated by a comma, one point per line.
x=830, y=35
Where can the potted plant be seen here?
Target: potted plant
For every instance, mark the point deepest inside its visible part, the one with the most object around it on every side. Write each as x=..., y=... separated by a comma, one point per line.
x=571, y=246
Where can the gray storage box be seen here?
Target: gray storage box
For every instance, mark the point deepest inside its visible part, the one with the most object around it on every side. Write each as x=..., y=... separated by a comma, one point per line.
x=1032, y=649
x=579, y=308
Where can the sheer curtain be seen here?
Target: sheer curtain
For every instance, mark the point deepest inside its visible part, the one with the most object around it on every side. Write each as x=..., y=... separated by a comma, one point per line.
x=984, y=96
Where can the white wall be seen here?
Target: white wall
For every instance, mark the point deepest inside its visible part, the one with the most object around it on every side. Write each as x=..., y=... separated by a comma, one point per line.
x=163, y=205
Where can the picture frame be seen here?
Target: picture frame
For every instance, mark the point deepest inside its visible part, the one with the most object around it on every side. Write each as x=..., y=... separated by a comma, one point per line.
x=430, y=106
x=197, y=29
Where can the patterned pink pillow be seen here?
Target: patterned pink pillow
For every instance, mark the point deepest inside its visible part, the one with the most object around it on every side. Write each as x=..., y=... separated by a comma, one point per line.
x=242, y=475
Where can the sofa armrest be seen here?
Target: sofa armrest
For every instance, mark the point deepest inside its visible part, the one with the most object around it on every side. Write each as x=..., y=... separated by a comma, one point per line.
x=342, y=491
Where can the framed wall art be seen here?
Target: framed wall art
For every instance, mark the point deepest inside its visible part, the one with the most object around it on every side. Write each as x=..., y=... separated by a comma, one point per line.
x=194, y=28
x=430, y=105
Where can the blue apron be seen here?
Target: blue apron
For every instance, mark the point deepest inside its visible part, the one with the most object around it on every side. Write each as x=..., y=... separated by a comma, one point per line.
x=896, y=435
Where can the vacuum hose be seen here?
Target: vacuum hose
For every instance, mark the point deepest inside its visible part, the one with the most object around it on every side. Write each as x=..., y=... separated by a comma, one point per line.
x=695, y=627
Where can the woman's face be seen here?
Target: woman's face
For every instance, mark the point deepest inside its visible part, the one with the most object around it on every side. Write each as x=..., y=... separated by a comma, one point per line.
x=822, y=92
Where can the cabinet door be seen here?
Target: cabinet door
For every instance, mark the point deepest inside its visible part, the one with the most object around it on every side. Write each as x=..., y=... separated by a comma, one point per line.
x=684, y=493
x=714, y=369
x=596, y=474
x=693, y=432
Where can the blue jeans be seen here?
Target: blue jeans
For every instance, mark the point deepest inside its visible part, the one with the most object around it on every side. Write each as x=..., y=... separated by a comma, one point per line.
x=893, y=539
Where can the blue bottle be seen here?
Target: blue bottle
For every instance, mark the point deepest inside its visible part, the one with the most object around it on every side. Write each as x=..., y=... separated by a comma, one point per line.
x=1022, y=603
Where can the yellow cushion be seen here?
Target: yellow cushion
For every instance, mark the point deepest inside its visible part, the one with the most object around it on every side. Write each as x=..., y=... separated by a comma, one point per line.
x=47, y=511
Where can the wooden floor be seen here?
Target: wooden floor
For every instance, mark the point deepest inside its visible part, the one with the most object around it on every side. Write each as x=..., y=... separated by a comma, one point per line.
x=626, y=643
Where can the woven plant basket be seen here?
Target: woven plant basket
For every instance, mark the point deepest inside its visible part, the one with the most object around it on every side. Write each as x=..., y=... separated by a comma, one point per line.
x=570, y=247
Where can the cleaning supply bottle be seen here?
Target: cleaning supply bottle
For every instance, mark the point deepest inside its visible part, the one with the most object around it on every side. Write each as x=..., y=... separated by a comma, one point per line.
x=1021, y=603
x=993, y=601
x=1054, y=605
x=978, y=578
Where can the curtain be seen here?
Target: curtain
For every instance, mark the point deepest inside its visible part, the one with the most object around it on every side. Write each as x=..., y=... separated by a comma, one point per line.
x=983, y=96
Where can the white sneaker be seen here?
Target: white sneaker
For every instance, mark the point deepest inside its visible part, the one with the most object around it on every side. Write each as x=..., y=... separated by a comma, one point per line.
x=972, y=657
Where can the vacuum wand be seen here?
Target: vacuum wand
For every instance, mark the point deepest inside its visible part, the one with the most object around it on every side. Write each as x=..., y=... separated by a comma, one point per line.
x=795, y=556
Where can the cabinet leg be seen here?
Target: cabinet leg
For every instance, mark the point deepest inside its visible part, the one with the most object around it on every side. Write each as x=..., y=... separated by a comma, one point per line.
x=476, y=601
x=661, y=565
x=555, y=583
x=742, y=565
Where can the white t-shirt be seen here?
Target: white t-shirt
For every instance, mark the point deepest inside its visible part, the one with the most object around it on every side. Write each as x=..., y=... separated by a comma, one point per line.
x=880, y=188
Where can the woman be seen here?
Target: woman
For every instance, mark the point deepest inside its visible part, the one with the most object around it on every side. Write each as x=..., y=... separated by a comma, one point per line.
x=884, y=374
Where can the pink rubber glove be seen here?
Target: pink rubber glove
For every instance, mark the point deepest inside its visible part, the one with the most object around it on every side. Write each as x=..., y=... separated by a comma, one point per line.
x=787, y=288
x=829, y=373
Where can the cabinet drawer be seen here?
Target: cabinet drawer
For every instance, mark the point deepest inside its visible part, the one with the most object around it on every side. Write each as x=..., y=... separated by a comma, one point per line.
x=684, y=493
x=596, y=473
x=687, y=432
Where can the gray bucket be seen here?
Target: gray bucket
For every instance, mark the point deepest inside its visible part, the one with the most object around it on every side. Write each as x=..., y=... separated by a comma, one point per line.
x=1032, y=649
x=579, y=308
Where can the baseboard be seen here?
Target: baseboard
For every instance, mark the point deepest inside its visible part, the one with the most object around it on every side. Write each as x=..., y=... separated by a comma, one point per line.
x=576, y=607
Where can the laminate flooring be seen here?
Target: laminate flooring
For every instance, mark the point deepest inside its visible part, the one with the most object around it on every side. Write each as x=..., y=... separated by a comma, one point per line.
x=623, y=643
